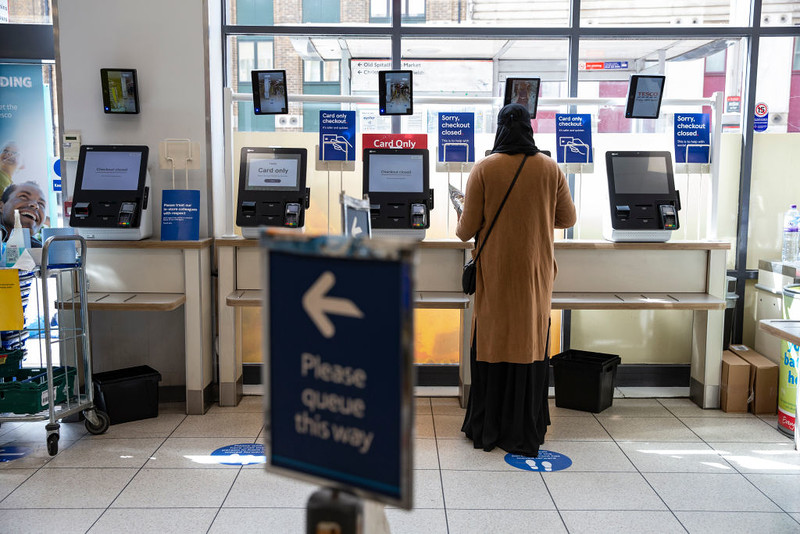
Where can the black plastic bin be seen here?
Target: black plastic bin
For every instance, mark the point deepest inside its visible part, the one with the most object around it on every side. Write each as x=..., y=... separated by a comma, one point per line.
x=127, y=394
x=584, y=380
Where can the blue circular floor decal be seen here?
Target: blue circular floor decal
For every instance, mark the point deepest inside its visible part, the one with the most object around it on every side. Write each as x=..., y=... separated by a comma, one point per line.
x=546, y=462
x=241, y=454
x=10, y=452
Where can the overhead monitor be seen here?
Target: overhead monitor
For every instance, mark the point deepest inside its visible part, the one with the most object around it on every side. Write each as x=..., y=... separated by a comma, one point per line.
x=270, y=96
x=524, y=91
x=396, y=171
x=395, y=92
x=272, y=169
x=644, y=96
x=120, y=91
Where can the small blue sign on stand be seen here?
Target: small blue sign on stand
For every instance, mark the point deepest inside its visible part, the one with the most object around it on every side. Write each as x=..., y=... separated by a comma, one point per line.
x=337, y=322
x=180, y=215
x=546, y=462
x=761, y=117
x=337, y=135
x=240, y=454
x=692, y=138
x=456, y=137
x=574, y=138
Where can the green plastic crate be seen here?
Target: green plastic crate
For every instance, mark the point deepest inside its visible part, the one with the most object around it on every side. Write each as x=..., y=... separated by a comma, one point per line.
x=10, y=362
x=26, y=391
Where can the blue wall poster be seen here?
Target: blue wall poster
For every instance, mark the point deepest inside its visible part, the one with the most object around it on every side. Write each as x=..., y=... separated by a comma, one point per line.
x=338, y=363
x=337, y=135
x=692, y=138
x=456, y=137
x=24, y=136
x=180, y=215
x=573, y=138
x=546, y=462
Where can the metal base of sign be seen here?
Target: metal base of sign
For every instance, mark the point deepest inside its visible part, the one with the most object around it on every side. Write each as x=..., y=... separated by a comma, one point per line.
x=576, y=168
x=334, y=512
x=692, y=168
x=333, y=165
x=454, y=166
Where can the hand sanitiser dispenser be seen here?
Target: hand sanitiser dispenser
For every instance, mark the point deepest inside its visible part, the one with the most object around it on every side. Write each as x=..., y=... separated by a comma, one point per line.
x=643, y=201
x=110, y=200
x=272, y=189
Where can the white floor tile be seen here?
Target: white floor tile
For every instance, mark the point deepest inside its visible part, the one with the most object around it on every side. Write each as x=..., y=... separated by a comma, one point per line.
x=156, y=427
x=635, y=408
x=176, y=488
x=555, y=411
x=503, y=521
x=784, y=490
x=248, y=404
x=461, y=455
x=675, y=457
x=750, y=430
x=447, y=406
x=448, y=426
x=687, y=408
x=190, y=453
x=154, y=521
x=575, y=429
x=601, y=491
x=490, y=490
x=427, y=489
x=210, y=425
x=36, y=456
x=69, y=488
x=647, y=429
x=124, y=452
x=738, y=522
x=422, y=406
x=427, y=520
x=693, y=492
x=769, y=458
x=592, y=456
x=423, y=426
x=239, y=520
x=36, y=432
x=256, y=488
x=425, y=454
x=614, y=522
x=11, y=479
x=63, y=521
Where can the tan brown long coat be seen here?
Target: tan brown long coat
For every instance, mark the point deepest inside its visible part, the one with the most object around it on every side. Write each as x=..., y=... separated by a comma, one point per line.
x=516, y=269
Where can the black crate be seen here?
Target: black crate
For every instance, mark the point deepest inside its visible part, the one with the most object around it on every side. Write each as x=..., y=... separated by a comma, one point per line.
x=584, y=380
x=127, y=394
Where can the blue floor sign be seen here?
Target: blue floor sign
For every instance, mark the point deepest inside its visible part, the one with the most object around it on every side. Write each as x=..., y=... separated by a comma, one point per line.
x=11, y=452
x=546, y=462
x=241, y=454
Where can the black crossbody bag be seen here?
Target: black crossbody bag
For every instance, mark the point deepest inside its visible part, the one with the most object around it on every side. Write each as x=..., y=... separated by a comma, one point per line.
x=468, y=276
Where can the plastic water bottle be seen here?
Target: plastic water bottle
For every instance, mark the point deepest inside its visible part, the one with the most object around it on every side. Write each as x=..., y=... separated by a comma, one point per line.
x=16, y=242
x=791, y=234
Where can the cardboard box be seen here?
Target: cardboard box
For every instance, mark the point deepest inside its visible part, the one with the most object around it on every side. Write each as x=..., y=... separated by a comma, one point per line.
x=735, y=389
x=763, y=380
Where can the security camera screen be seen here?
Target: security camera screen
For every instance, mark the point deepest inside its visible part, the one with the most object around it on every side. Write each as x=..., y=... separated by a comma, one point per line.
x=269, y=92
x=272, y=172
x=640, y=175
x=395, y=173
x=523, y=91
x=119, y=91
x=395, y=93
x=111, y=171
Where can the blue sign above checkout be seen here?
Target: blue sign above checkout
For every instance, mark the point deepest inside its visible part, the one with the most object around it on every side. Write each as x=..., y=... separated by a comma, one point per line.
x=574, y=138
x=692, y=138
x=338, y=330
x=546, y=462
x=457, y=137
x=337, y=135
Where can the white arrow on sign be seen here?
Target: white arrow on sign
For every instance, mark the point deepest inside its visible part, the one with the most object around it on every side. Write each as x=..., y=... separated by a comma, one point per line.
x=317, y=305
x=356, y=229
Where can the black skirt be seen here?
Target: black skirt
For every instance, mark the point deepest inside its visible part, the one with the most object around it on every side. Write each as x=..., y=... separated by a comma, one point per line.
x=507, y=405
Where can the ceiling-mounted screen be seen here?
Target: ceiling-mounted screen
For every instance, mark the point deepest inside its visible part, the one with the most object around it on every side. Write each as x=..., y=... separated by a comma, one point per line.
x=269, y=92
x=395, y=92
x=644, y=96
x=523, y=91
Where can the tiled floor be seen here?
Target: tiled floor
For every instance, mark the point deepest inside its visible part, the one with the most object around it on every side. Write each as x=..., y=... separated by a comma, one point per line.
x=643, y=465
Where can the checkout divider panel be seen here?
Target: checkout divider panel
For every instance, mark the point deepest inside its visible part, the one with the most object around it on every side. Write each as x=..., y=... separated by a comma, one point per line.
x=134, y=270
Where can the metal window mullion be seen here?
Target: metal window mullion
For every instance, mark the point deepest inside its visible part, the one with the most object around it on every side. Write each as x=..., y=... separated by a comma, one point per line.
x=397, y=50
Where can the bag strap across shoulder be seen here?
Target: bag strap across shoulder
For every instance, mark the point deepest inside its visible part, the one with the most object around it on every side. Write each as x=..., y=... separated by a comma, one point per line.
x=489, y=231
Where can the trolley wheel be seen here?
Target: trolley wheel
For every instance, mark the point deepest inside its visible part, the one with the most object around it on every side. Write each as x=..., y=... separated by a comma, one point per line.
x=101, y=427
x=52, y=444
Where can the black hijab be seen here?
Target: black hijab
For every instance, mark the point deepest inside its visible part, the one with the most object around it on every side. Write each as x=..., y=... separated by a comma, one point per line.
x=514, y=133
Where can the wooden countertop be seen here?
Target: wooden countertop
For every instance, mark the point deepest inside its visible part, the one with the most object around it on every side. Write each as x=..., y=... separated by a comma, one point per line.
x=151, y=244
x=787, y=329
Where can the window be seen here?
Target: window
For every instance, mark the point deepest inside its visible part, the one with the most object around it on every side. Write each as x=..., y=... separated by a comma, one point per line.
x=325, y=11
x=410, y=10
x=321, y=71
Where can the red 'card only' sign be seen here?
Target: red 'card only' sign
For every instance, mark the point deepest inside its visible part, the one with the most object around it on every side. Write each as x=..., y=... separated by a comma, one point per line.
x=394, y=140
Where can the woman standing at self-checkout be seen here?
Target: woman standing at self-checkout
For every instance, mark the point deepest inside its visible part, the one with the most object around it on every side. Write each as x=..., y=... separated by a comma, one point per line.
x=515, y=271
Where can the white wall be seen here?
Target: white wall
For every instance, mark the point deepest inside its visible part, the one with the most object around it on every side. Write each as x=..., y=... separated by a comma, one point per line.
x=166, y=43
